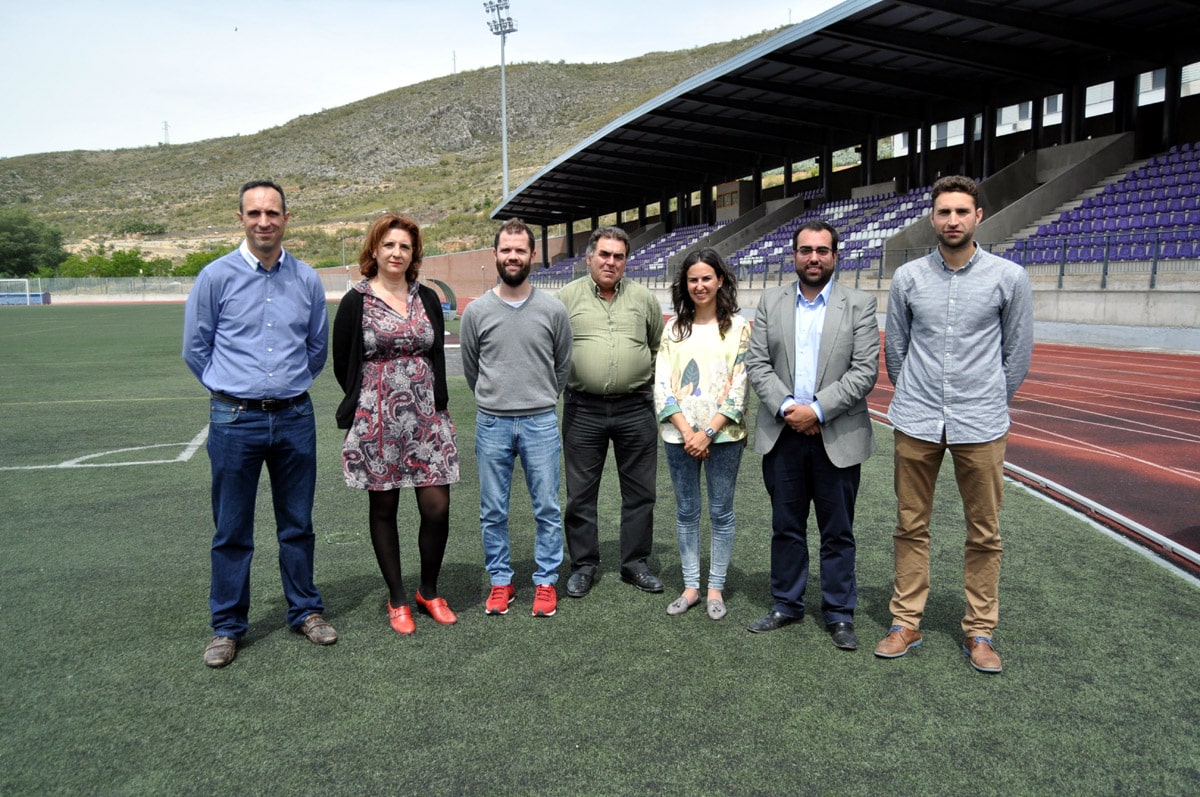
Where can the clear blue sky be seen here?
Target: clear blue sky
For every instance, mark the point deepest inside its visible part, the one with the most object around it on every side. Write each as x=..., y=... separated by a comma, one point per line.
x=106, y=75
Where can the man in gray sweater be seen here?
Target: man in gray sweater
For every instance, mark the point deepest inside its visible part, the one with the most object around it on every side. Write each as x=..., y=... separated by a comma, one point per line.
x=516, y=353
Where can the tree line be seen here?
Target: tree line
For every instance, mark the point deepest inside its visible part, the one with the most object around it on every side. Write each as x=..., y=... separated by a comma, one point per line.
x=30, y=247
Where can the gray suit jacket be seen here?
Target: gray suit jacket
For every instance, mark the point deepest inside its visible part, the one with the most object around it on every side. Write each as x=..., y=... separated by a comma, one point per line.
x=847, y=367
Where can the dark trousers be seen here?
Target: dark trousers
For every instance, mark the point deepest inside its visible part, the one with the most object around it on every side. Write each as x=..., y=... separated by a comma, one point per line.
x=798, y=472
x=590, y=423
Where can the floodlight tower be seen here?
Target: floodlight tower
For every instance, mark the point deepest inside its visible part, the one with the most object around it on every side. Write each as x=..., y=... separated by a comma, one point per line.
x=501, y=26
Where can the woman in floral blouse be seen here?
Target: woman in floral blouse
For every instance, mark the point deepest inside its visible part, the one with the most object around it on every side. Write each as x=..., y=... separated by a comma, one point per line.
x=700, y=397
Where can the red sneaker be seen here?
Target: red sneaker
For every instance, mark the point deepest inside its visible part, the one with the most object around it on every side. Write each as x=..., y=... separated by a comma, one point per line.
x=499, y=598
x=545, y=601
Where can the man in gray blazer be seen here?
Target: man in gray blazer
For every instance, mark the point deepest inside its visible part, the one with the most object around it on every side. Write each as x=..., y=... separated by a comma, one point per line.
x=814, y=357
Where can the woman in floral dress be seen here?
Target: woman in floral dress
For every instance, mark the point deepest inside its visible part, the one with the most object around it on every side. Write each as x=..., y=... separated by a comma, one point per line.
x=389, y=357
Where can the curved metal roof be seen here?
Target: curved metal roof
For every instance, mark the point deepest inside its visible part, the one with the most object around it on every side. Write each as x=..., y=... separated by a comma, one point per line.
x=864, y=68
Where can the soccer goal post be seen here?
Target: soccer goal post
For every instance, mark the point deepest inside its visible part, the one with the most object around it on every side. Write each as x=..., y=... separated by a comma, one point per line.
x=15, y=291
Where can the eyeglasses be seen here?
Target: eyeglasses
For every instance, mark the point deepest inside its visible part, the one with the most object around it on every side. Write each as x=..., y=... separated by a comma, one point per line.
x=806, y=251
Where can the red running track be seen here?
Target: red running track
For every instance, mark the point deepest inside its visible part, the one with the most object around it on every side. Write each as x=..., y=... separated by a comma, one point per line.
x=1120, y=428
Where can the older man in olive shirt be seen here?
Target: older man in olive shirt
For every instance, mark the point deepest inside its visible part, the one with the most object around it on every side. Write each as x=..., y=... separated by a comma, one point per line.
x=617, y=327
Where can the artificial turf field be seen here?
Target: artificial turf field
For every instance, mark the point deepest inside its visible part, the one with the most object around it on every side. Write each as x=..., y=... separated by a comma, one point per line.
x=104, y=581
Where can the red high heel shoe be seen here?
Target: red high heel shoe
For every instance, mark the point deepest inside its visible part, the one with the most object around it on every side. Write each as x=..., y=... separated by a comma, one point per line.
x=437, y=608
x=401, y=619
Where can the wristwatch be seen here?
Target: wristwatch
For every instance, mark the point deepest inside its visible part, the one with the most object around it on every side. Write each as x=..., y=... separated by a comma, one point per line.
x=709, y=432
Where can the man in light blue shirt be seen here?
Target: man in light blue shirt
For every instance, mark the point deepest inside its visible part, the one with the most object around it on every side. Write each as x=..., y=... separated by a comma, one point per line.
x=255, y=334
x=958, y=343
x=813, y=358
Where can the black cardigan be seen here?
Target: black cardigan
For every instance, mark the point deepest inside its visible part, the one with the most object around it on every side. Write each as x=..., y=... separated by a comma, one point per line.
x=348, y=351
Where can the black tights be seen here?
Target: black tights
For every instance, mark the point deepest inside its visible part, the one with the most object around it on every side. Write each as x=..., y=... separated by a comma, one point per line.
x=434, y=505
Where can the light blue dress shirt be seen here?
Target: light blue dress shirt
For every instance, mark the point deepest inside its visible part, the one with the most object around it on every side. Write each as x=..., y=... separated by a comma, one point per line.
x=254, y=333
x=957, y=345
x=810, y=319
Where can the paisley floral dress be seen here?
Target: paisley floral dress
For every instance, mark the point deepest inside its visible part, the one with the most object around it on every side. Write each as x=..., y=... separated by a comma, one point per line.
x=398, y=439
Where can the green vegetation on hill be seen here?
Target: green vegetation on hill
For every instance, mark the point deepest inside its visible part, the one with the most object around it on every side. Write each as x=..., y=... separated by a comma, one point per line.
x=431, y=149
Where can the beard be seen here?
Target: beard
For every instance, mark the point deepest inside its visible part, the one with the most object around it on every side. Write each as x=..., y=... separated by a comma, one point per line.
x=965, y=242
x=513, y=279
x=817, y=282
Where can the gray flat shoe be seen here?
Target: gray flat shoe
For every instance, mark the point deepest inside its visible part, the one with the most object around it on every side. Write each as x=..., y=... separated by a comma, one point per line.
x=716, y=609
x=680, y=605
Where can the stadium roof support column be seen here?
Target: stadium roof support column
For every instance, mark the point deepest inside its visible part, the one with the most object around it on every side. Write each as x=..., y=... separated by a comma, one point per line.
x=1037, y=125
x=870, y=154
x=642, y=215
x=968, y=148
x=1124, y=103
x=787, y=178
x=988, y=120
x=826, y=169
x=910, y=162
x=664, y=212
x=570, y=232
x=923, y=176
x=545, y=246
x=1171, y=99
x=1073, y=107
x=757, y=180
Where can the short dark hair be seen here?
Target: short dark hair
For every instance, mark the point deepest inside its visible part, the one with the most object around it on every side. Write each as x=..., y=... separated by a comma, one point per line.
x=261, y=184
x=955, y=184
x=390, y=221
x=607, y=232
x=515, y=227
x=817, y=225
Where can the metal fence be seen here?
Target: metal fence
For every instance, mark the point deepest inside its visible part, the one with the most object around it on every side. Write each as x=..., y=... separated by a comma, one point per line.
x=146, y=288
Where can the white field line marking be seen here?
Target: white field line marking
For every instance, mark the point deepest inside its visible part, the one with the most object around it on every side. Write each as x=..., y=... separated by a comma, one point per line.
x=189, y=450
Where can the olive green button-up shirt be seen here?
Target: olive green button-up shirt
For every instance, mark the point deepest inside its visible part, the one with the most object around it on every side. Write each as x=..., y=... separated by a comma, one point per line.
x=615, y=341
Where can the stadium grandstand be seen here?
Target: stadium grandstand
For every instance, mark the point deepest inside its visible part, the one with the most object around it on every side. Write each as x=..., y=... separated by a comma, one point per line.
x=1081, y=120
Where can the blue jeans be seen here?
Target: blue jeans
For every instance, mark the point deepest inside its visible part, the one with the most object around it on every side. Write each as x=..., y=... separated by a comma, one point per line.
x=499, y=440
x=721, y=472
x=240, y=442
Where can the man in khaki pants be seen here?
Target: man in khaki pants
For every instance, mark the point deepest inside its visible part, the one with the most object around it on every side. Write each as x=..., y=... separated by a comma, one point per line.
x=958, y=342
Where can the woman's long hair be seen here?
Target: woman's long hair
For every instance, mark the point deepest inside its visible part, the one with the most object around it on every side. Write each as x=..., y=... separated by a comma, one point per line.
x=685, y=308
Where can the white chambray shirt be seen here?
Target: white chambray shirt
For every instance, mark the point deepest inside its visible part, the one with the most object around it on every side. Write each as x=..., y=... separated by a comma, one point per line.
x=957, y=346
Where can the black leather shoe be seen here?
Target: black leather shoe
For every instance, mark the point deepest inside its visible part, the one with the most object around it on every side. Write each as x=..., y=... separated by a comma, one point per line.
x=643, y=580
x=579, y=584
x=843, y=635
x=771, y=621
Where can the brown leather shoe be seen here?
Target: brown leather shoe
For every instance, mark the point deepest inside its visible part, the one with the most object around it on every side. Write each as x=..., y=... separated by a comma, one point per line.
x=220, y=651
x=318, y=630
x=981, y=654
x=899, y=640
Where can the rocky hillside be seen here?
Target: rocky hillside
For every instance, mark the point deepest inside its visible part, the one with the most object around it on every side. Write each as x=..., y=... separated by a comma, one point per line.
x=432, y=149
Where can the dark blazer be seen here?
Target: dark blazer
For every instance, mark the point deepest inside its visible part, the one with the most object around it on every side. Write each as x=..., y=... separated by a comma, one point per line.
x=348, y=351
x=847, y=367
